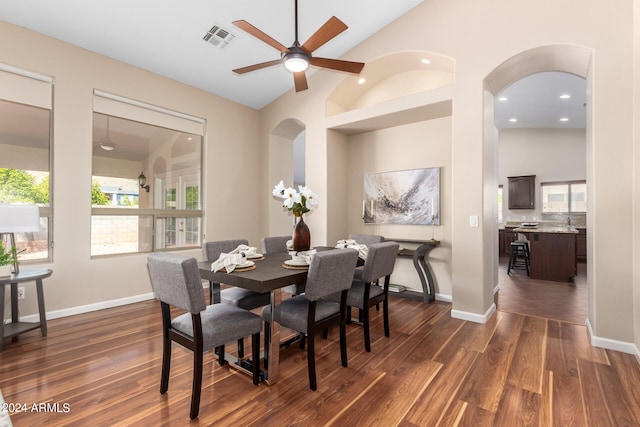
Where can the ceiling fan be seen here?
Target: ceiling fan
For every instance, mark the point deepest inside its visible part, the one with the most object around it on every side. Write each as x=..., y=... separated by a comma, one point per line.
x=297, y=58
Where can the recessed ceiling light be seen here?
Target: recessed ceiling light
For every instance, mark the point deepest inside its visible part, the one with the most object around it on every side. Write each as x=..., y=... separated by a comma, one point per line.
x=503, y=98
x=426, y=61
x=513, y=120
x=361, y=80
x=564, y=119
x=565, y=96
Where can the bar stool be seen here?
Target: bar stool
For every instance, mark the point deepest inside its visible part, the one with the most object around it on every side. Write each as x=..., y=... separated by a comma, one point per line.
x=519, y=257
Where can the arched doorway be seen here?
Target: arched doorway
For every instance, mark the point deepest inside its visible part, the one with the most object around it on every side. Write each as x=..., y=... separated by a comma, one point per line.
x=568, y=59
x=287, y=163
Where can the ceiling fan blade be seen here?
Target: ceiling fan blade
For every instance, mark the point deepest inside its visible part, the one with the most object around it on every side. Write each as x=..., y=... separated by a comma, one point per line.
x=244, y=25
x=338, y=64
x=329, y=30
x=259, y=66
x=300, y=80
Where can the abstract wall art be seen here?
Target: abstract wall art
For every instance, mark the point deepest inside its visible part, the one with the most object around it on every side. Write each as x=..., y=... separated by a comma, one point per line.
x=402, y=197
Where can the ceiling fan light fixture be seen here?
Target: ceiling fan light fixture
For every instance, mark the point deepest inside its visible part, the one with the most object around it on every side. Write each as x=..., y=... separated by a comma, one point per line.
x=295, y=61
x=107, y=146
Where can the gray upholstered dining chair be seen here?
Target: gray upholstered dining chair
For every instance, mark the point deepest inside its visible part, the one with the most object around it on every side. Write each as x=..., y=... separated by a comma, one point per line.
x=239, y=297
x=275, y=244
x=176, y=282
x=366, y=239
x=278, y=244
x=329, y=272
x=365, y=292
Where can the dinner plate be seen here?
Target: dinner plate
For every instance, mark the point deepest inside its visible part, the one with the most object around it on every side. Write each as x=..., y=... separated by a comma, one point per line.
x=254, y=256
x=245, y=264
x=296, y=263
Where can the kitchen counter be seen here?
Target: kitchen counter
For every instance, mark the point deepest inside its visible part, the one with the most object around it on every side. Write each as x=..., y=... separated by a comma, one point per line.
x=546, y=229
x=552, y=252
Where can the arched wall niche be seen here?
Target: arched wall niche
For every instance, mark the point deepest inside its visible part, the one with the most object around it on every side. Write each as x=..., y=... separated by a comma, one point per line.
x=389, y=77
x=281, y=166
x=563, y=58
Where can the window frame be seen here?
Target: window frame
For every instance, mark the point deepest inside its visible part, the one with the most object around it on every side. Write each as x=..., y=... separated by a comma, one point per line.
x=569, y=184
x=123, y=108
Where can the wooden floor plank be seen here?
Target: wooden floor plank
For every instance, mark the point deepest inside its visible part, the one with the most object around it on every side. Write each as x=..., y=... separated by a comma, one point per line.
x=485, y=384
x=527, y=368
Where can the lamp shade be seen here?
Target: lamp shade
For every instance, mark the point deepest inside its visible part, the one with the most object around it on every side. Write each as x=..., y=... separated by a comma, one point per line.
x=19, y=218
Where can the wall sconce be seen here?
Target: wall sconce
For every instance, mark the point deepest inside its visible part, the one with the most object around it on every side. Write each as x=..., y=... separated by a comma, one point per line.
x=142, y=180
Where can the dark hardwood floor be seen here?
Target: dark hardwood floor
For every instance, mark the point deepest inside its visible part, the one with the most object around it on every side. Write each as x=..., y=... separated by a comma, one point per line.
x=565, y=301
x=103, y=369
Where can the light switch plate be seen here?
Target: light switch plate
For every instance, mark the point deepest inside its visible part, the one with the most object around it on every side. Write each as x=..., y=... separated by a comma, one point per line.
x=473, y=220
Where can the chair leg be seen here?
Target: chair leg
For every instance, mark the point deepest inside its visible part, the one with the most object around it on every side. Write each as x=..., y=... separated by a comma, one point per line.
x=267, y=331
x=255, y=357
x=311, y=361
x=385, y=315
x=166, y=365
x=365, y=327
x=240, y=348
x=221, y=360
x=343, y=343
x=303, y=340
x=197, y=384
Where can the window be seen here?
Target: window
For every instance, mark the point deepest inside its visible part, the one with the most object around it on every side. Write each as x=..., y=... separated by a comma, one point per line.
x=129, y=218
x=564, y=197
x=25, y=155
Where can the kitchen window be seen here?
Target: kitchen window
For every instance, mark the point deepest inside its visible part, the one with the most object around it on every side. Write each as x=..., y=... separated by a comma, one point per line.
x=564, y=197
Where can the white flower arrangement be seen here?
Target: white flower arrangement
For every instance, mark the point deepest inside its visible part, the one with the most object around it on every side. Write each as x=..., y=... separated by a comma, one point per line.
x=299, y=202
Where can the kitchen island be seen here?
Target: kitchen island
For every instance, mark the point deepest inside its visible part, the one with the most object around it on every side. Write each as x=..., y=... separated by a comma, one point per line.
x=552, y=252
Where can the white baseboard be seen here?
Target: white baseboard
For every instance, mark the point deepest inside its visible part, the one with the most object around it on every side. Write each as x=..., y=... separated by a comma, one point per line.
x=89, y=307
x=473, y=317
x=622, y=346
x=444, y=297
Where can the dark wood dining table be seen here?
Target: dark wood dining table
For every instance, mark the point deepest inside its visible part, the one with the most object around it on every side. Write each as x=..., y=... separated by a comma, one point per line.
x=269, y=276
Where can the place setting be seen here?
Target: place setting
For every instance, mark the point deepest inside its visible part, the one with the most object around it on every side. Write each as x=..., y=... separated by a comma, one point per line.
x=300, y=260
x=242, y=258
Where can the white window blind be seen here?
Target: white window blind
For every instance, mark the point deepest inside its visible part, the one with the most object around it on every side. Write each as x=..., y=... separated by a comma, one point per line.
x=115, y=105
x=25, y=87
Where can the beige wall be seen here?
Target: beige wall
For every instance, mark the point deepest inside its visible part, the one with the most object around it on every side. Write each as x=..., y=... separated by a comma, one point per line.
x=636, y=172
x=479, y=38
x=419, y=145
x=230, y=164
x=549, y=154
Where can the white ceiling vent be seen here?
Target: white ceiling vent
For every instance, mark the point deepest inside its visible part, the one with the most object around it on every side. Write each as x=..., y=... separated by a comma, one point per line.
x=218, y=36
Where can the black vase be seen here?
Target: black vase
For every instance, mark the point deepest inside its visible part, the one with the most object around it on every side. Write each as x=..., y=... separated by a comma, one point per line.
x=301, y=236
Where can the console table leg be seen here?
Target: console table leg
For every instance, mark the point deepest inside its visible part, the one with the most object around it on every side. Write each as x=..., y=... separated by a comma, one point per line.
x=1, y=317
x=41, y=310
x=424, y=272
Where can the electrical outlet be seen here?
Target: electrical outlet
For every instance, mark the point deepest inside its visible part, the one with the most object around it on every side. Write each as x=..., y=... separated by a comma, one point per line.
x=21, y=293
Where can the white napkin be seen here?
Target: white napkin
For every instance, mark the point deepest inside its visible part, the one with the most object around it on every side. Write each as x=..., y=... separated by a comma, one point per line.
x=307, y=255
x=289, y=245
x=363, y=250
x=245, y=250
x=231, y=260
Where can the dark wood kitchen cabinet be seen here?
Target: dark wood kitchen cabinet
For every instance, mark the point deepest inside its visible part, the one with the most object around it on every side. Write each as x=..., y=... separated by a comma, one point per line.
x=581, y=245
x=522, y=192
